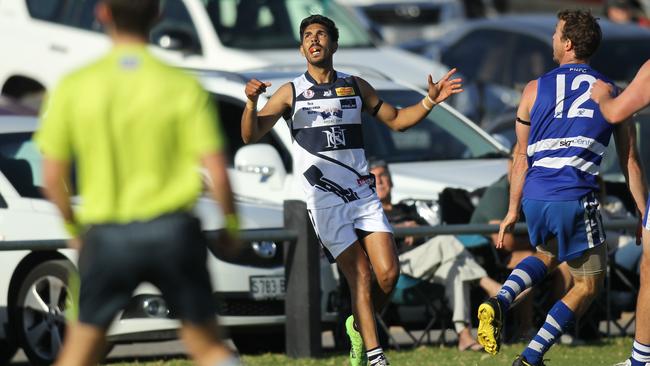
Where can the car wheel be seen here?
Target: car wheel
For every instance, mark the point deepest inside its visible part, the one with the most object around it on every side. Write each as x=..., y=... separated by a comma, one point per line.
x=40, y=311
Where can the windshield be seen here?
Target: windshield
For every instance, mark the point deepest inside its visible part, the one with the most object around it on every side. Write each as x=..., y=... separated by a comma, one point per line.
x=441, y=136
x=20, y=163
x=272, y=24
x=620, y=59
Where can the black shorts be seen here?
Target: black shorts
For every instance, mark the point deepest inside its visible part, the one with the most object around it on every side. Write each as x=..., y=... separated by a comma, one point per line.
x=169, y=252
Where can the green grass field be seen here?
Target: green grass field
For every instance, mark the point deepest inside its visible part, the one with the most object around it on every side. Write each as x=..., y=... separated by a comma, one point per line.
x=606, y=353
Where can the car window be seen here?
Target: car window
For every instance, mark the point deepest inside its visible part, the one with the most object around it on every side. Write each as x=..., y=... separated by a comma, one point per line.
x=422, y=14
x=82, y=15
x=51, y=10
x=175, y=17
x=533, y=58
x=440, y=136
x=482, y=55
x=619, y=59
x=20, y=163
x=265, y=24
x=230, y=111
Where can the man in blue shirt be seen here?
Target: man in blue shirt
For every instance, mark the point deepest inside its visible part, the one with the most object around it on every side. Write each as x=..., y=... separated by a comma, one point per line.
x=561, y=139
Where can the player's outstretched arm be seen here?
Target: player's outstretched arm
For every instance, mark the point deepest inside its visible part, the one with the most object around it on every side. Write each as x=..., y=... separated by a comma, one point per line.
x=519, y=160
x=255, y=124
x=402, y=119
x=632, y=99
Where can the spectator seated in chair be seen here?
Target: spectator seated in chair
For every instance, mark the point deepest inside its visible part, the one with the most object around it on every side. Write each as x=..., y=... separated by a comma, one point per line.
x=442, y=259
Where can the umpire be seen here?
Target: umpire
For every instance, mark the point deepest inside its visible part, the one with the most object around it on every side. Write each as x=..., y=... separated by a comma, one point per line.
x=137, y=131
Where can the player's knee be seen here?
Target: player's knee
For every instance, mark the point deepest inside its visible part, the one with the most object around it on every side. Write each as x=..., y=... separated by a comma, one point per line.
x=588, y=289
x=388, y=278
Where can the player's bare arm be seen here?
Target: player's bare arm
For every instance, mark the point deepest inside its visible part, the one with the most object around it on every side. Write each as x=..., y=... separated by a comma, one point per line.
x=519, y=159
x=256, y=124
x=628, y=155
x=631, y=100
x=402, y=119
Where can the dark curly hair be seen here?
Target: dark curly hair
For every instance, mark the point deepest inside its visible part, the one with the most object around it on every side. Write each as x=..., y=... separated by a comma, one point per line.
x=328, y=23
x=583, y=30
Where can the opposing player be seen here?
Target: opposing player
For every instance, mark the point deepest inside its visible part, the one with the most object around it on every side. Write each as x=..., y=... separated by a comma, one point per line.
x=323, y=107
x=561, y=138
x=616, y=110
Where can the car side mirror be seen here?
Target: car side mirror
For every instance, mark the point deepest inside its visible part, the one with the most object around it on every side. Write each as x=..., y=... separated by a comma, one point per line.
x=174, y=39
x=263, y=161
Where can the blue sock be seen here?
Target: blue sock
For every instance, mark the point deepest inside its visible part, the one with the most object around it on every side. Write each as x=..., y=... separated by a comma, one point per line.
x=557, y=320
x=528, y=273
x=640, y=354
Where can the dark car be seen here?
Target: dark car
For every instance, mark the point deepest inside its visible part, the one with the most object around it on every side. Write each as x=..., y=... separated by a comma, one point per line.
x=508, y=51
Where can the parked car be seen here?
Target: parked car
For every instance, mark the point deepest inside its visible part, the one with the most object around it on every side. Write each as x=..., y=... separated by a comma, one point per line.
x=445, y=150
x=403, y=20
x=42, y=41
x=508, y=51
x=249, y=288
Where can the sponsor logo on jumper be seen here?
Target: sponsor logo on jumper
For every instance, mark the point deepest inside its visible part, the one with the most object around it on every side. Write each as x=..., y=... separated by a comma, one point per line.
x=344, y=91
x=327, y=93
x=576, y=142
x=308, y=94
x=366, y=179
x=349, y=103
x=331, y=113
x=335, y=137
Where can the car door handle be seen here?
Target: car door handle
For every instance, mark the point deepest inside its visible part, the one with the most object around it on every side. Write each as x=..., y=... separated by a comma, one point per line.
x=58, y=48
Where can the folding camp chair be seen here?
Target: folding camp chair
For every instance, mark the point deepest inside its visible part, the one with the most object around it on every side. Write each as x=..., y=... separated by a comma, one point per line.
x=417, y=295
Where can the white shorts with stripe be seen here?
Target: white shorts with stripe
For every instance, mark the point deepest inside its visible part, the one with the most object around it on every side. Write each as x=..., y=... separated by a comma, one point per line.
x=336, y=226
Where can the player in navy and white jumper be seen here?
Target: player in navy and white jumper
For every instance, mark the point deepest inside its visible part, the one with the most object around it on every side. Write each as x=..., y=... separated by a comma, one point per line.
x=323, y=108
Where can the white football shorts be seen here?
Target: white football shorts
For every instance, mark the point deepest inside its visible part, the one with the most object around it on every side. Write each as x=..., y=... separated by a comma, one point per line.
x=336, y=226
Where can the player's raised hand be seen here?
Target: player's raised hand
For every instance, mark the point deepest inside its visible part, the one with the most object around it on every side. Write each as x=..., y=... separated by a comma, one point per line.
x=600, y=90
x=440, y=91
x=506, y=226
x=254, y=88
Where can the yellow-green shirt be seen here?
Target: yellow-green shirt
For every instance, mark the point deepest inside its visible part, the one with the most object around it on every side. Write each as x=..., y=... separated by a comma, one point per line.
x=135, y=129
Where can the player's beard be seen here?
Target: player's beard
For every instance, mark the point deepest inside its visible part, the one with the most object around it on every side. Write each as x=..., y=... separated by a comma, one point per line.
x=322, y=63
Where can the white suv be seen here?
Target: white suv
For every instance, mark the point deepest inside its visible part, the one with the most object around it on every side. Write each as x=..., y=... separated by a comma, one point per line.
x=249, y=288
x=42, y=40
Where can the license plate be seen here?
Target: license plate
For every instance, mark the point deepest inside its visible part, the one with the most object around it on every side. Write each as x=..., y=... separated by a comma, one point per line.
x=267, y=287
